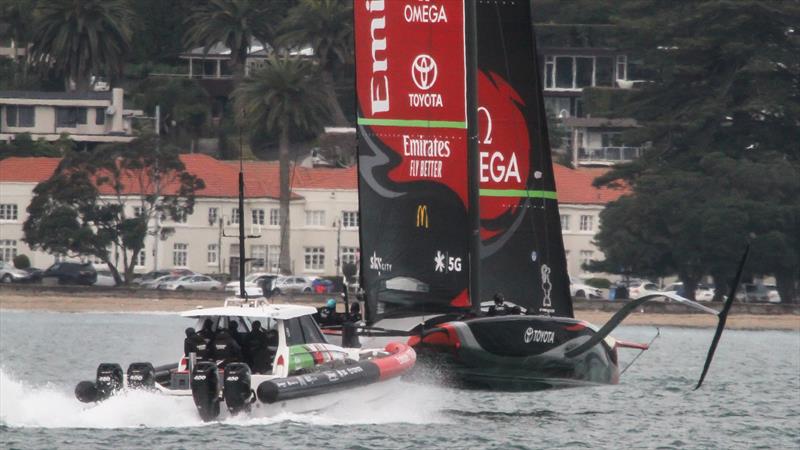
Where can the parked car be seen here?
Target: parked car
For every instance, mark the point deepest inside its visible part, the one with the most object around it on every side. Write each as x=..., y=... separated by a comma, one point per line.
x=105, y=278
x=150, y=276
x=9, y=274
x=640, y=288
x=703, y=292
x=285, y=285
x=773, y=296
x=70, y=273
x=154, y=284
x=579, y=289
x=752, y=293
x=192, y=283
x=254, y=284
x=322, y=286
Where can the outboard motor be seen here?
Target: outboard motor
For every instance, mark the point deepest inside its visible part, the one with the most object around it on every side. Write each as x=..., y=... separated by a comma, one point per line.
x=141, y=375
x=205, y=389
x=237, y=391
x=109, y=380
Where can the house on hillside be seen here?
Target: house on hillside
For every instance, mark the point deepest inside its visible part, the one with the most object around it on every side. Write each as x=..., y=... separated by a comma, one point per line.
x=580, y=85
x=87, y=117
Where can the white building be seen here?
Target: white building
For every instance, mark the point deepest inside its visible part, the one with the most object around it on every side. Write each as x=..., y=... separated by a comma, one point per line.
x=85, y=116
x=323, y=217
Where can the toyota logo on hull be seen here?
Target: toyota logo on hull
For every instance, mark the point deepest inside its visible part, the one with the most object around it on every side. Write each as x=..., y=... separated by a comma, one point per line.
x=424, y=72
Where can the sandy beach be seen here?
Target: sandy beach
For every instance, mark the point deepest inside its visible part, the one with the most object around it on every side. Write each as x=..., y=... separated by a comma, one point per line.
x=72, y=303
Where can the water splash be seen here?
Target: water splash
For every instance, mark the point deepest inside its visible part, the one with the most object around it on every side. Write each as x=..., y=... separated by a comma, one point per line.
x=26, y=406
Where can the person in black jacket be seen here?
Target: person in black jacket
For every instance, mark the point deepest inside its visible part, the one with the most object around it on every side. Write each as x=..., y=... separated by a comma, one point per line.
x=257, y=349
x=206, y=332
x=233, y=329
x=195, y=344
x=225, y=348
x=500, y=308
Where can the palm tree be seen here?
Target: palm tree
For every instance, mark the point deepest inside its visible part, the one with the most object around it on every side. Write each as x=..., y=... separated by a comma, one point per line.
x=326, y=26
x=235, y=23
x=282, y=98
x=77, y=38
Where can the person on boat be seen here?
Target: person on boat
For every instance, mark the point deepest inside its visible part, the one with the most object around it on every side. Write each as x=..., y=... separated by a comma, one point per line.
x=225, y=349
x=206, y=332
x=257, y=352
x=500, y=308
x=327, y=314
x=194, y=343
x=233, y=329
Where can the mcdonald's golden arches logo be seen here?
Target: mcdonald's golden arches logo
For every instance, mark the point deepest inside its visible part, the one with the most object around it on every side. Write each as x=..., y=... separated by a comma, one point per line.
x=422, y=216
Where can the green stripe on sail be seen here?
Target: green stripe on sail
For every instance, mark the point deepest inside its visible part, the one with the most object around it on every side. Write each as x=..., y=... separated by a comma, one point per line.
x=412, y=123
x=518, y=193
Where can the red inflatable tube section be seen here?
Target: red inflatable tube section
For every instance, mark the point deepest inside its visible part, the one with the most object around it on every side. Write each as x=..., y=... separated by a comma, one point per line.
x=401, y=360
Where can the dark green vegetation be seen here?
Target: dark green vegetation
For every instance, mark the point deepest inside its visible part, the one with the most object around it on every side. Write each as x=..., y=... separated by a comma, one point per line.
x=722, y=116
x=68, y=214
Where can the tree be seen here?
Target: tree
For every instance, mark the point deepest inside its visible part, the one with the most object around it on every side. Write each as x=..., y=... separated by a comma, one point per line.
x=721, y=114
x=15, y=19
x=84, y=208
x=326, y=26
x=24, y=145
x=235, y=23
x=282, y=97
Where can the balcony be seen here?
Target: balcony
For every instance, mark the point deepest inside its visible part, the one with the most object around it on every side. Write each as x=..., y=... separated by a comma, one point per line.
x=607, y=156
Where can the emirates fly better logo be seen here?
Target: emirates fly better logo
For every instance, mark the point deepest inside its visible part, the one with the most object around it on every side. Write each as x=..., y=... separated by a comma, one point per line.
x=424, y=72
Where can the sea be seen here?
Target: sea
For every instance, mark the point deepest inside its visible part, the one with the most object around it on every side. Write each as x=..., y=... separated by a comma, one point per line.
x=751, y=398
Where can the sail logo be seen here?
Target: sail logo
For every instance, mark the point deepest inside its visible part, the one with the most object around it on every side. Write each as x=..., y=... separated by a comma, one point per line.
x=376, y=263
x=379, y=82
x=422, y=216
x=494, y=167
x=424, y=72
x=539, y=336
x=425, y=13
x=443, y=263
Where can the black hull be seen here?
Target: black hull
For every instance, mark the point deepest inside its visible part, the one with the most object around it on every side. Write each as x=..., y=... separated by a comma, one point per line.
x=515, y=353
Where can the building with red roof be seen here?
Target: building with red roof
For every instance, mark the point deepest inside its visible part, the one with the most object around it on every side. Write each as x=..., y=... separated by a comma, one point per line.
x=323, y=211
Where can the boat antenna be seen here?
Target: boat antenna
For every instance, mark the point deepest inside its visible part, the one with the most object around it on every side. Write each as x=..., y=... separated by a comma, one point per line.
x=242, y=292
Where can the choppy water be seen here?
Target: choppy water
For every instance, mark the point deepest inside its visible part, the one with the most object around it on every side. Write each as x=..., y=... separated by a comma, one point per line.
x=751, y=398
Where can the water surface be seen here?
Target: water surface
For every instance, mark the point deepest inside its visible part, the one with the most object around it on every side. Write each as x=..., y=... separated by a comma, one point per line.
x=751, y=398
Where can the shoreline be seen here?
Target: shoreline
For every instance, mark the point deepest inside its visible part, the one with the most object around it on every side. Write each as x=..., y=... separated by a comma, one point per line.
x=11, y=302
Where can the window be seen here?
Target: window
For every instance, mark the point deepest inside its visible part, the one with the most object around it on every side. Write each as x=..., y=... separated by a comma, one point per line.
x=70, y=117
x=212, y=256
x=315, y=218
x=604, y=71
x=20, y=116
x=586, y=256
x=273, y=257
x=8, y=211
x=140, y=260
x=587, y=223
x=274, y=217
x=564, y=72
x=564, y=222
x=622, y=67
x=258, y=216
x=137, y=211
x=259, y=255
x=99, y=116
x=350, y=219
x=180, y=254
x=349, y=255
x=314, y=258
x=212, y=216
x=180, y=216
x=611, y=139
x=235, y=215
x=8, y=250
x=584, y=72
x=549, y=71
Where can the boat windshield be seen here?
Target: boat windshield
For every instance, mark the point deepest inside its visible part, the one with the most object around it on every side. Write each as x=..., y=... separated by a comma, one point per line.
x=244, y=323
x=303, y=330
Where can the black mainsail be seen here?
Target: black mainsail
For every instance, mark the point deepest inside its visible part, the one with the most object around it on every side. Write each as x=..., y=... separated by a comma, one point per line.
x=522, y=251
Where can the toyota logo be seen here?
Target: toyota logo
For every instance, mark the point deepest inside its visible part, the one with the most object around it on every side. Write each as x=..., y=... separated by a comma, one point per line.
x=424, y=72
x=528, y=335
